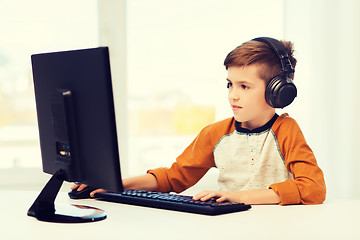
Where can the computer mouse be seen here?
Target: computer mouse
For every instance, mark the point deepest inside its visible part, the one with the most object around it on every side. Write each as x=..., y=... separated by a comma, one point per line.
x=83, y=194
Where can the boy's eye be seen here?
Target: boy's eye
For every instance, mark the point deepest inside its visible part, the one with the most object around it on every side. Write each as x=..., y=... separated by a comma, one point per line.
x=243, y=86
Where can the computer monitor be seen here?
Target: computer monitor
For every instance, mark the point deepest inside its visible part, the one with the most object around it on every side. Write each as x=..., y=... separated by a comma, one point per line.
x=77, y=129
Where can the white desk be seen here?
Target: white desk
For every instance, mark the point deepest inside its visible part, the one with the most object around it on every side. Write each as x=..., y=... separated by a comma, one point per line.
x=332, y=220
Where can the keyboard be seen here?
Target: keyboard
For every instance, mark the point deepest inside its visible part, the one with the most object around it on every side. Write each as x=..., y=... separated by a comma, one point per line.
x=171, y=201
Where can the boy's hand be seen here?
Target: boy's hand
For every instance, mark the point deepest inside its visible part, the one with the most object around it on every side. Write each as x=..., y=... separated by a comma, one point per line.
x=220, y=196
x=78, y=187
x=83, y=186
x=265, y=196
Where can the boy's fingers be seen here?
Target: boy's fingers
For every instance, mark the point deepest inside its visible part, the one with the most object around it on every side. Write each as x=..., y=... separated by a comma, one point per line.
x=210, y=195
x=82, y=187
x=92, y=194
x=207, y=195
x=200, y=195
x=221, y=199
x=75, y=186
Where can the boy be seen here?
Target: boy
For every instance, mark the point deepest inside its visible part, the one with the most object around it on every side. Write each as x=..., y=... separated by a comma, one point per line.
x=262, y=157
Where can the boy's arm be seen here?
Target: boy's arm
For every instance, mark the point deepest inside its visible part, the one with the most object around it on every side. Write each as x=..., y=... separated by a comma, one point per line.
x=308, y=185
x=146, y=182
x=195, y=161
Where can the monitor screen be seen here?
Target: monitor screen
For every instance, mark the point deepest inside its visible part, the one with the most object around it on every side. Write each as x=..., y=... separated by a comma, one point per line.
x=76, y=117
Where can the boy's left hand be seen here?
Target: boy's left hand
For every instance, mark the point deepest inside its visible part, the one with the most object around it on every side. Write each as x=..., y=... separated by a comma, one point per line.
x=265, y=196
x=220, y=196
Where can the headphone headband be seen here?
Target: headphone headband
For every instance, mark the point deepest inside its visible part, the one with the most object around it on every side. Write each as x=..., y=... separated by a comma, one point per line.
x=280, y=51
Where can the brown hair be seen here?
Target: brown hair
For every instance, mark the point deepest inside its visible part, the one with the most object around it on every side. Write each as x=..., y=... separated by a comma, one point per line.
x=255, y=52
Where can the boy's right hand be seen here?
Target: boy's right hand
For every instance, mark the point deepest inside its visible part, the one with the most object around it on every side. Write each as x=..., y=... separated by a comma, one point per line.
x=80, y=187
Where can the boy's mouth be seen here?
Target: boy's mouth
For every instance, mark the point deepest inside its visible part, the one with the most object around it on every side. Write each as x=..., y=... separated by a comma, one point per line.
x=235, y=107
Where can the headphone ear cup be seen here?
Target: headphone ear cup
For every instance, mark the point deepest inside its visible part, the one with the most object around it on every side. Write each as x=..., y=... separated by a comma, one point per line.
x=280, y=92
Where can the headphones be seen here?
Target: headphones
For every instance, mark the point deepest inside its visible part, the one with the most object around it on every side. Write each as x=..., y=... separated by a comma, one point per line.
x=280, y=90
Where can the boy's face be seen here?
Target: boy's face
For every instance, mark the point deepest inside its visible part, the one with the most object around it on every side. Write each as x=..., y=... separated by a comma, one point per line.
x=247, y=97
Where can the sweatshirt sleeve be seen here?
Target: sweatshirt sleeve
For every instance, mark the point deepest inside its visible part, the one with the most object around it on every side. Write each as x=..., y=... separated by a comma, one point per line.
x=308, y=184
x=194, y=162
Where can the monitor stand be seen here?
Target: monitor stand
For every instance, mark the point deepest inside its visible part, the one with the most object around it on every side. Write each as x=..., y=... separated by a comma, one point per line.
x=44, y=206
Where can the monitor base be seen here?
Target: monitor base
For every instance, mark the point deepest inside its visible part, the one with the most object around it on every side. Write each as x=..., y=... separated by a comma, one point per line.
x=44, y=206
x=74, y=214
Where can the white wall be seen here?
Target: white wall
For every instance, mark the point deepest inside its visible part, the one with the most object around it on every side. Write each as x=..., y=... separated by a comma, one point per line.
x=326, y=34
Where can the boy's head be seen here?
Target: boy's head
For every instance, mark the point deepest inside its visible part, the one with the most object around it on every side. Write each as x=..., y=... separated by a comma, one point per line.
x=250, y=68
x=255, y=52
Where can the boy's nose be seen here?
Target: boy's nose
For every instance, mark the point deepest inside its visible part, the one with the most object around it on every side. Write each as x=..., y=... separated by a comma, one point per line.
x=234, y=95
